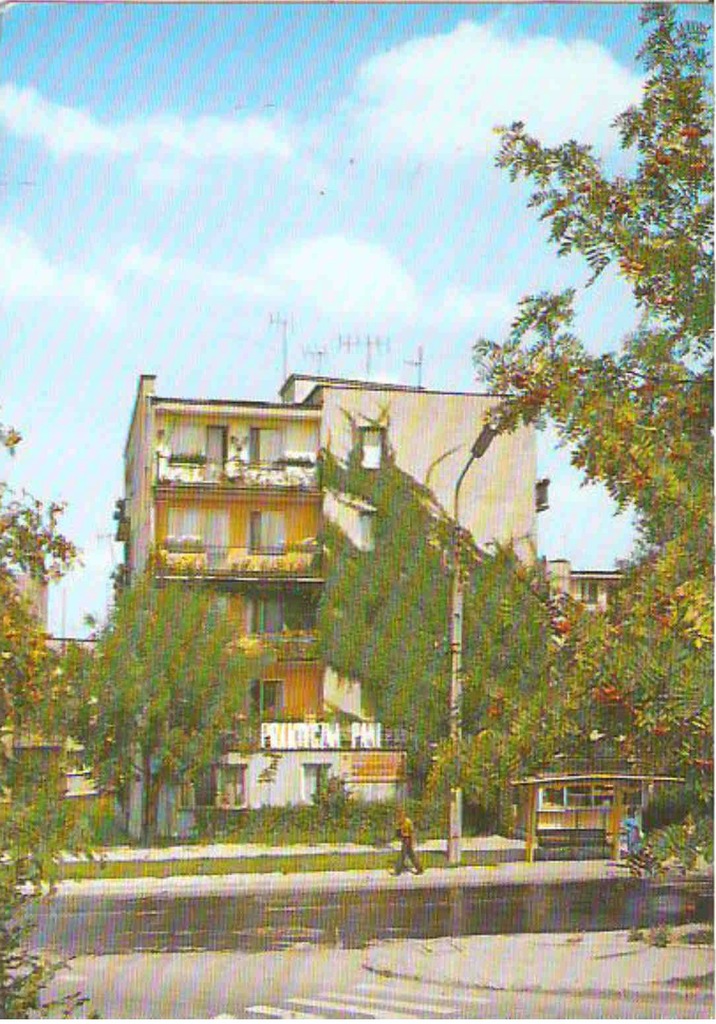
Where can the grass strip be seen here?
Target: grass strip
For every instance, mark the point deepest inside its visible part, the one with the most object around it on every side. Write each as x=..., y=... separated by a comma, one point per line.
x=285, y=865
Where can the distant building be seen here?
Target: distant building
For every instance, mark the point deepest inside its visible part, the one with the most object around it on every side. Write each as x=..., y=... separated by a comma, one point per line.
x=231, y=491
x=591, y=587
x=35, y=593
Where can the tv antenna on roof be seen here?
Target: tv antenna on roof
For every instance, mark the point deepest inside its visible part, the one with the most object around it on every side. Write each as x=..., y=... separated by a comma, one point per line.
x=370, y=343
x=319, y=354
x=418, y=364
x=282, y=322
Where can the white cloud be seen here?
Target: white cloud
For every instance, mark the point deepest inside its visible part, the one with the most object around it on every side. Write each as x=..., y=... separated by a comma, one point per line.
x=30, y=275
x=66, y=131
x=471, y=306
x=441, y=96
x=186, y=272
x=331, y=274
x=345, y=277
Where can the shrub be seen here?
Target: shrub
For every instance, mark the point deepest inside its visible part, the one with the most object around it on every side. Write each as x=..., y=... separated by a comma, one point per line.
x=99, y=823
x=335, y=818
x=660, y=936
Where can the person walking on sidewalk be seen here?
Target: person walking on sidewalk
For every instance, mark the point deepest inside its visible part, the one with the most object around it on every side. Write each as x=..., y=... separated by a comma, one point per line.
x=407, y=855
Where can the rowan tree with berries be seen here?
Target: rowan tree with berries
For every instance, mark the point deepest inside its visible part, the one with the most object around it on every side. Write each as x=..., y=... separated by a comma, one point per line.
x=36, y=823
x=637, y=419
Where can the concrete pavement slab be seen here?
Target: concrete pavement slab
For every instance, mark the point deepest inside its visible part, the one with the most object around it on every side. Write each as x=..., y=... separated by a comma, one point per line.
x=588, y=963
x=219, y=851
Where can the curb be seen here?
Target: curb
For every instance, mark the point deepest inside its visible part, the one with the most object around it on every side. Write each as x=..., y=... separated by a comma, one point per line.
x=651, y=992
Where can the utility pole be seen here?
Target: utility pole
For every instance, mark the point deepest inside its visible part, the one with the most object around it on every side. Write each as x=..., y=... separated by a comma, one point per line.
x=483, y=442
x=282, y=322
x=418, y=364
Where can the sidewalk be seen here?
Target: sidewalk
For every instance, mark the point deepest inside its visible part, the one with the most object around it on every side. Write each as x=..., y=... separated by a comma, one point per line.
x=596, y=963
x=517, y=873
x=494, y=848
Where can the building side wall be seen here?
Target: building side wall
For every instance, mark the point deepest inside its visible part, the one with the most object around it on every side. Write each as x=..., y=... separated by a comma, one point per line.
x=341, y=694
x=431, y=435
x=349, y=519
x=139, y=476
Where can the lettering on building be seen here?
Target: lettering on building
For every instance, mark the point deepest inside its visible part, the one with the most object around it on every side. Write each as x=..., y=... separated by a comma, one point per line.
x=321, y=736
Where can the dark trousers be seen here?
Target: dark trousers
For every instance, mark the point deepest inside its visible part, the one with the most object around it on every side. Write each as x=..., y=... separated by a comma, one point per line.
x=407, y=855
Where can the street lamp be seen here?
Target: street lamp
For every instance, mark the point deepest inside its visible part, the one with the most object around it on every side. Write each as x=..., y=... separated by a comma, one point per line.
x=483, y=442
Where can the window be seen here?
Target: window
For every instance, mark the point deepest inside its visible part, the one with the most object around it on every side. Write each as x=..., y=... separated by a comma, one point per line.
x=231, y=785
x=578, y=796
x=187, y=439
x=315, y=779
x=372, y=444
x=280, y=612
x=299, y=614
x=267, y=533
x=185, y=524
x=265, y=615
x=264, y=445
x=590, y=591
x=365, y=531
x=267, y=698
x=551, y=798
x=216, y=535
x=216, y=445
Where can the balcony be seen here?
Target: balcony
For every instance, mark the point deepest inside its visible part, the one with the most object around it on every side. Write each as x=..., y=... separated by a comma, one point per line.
x=181, y=558
x=291, y=472
x=299, y=645
x=122, y=520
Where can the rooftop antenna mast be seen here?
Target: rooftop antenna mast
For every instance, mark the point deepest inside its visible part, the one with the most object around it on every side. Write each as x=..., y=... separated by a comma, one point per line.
x=319, y=354
x=418, y=364
x=283, y=323
x=370, y=343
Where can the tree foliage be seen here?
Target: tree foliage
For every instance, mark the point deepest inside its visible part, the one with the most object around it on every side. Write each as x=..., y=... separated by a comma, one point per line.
x=165, y=684
x=36, y=824
x=638, y=418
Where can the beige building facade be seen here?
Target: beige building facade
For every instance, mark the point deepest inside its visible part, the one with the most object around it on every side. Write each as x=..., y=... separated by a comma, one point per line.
x=230, y=491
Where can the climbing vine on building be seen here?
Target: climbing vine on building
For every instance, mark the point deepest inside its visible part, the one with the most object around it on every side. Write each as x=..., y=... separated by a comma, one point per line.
x=384, y=620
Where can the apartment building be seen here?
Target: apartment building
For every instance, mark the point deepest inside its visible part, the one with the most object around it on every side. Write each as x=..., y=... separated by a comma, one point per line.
x=591, y=587
x=231, y=491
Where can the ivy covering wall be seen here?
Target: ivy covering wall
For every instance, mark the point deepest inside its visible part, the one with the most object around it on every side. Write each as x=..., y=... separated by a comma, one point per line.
x=384, y=617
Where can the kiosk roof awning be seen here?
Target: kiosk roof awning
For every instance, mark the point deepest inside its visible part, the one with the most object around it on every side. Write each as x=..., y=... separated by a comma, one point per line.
x=549, y=779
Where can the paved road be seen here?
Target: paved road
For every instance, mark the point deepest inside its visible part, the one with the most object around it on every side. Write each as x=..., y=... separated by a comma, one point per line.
x=323, y=984
x=94, y=924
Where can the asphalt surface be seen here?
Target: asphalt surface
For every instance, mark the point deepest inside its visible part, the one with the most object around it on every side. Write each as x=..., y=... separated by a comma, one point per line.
x=81, y=922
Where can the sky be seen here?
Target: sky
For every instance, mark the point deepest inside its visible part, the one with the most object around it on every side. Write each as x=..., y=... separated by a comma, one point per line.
x=172, y=178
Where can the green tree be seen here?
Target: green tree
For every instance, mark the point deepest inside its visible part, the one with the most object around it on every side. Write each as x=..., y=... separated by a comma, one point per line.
x=36, y=824
x=166, y=683
x=638, y=418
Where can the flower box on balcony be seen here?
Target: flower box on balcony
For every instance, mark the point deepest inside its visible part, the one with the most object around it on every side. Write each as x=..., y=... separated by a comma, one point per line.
x=194, y=545
x=187, y=459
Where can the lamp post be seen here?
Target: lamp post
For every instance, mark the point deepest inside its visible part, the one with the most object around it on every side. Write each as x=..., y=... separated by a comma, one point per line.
x=483, y=442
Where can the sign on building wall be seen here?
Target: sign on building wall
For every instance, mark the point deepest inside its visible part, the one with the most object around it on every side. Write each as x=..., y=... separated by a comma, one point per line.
x=321, y=736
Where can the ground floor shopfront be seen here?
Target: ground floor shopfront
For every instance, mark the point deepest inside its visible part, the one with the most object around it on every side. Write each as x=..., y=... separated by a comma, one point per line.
x=290, y=765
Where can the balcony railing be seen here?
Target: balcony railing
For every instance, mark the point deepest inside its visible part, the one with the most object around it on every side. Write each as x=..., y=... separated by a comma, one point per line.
x=287, y=646
x=178, y=559
x=290, y=474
